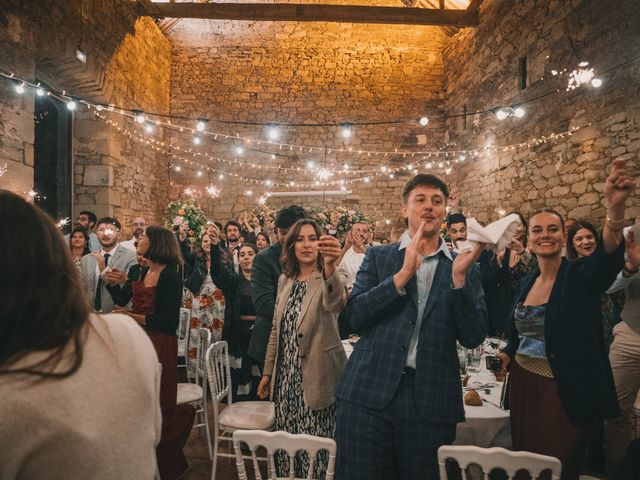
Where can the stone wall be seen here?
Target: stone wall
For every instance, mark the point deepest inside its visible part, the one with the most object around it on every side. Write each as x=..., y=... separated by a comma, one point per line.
x=127, y=65
x=306, y=73
x=481, y=71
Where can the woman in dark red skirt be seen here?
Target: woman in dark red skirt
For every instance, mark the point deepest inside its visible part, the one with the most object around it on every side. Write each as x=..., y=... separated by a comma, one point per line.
x=155, y=304
x=561, y=380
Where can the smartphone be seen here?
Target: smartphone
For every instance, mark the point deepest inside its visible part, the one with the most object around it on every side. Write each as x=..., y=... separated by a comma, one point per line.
x=494, y=364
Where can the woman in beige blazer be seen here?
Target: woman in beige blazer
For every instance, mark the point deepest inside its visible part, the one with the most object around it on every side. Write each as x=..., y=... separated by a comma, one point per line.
x=305, y=357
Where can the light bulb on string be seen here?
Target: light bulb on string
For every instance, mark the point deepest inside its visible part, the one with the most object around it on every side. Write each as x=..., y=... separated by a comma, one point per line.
x=268, y=183
x=139, y=116
x=273, y=156
x=502, y=114
x=273, y=132
x=71, y=105
x=519, y=112
x=221, y=177
x=310, y=164
x=201, y=125
x=197, y=140
x=346, y=167
x=346, y=130
x=177, y=168
x=239, y=150
x=148, y=127
x=366, y=179
x=596, y=82
x=462, y=158
x=40, y=92
x=20, y=88
x=424, y=121
x=199, y=173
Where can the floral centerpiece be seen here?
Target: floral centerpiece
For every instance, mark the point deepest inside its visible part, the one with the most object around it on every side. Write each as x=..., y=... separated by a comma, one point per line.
x=185, y=213
x=338, y=220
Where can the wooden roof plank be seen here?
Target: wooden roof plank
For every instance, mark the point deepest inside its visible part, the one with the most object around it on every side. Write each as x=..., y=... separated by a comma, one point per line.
x=316, y=13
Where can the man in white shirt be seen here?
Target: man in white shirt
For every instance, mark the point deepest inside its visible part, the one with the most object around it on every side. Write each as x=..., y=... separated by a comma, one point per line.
x=138, y=226
x=87, y=220
x=354, y=250
x=111, y=257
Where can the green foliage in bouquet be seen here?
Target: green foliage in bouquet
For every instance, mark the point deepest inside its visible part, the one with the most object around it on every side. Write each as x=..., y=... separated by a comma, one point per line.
x=186, y=210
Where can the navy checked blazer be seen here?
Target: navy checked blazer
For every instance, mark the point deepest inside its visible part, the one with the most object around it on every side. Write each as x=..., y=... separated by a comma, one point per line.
x=385, y=320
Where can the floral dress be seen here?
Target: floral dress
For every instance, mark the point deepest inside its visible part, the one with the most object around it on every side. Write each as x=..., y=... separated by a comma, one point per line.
x=207, y=311
x=292, y=414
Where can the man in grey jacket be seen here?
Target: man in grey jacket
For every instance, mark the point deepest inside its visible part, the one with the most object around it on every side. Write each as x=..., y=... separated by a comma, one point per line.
x=111, y=257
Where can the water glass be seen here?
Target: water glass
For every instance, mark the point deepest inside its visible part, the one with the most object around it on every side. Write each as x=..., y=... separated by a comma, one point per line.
x=462, y=360
x=474, y=359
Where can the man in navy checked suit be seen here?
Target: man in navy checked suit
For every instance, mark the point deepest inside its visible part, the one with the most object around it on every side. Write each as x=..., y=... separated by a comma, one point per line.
x=400, y=396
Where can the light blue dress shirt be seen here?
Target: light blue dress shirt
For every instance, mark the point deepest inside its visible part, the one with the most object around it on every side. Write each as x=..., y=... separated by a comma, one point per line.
x=424, y=278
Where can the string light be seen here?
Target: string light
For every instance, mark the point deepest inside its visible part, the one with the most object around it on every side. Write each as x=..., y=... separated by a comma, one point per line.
x=40, y=92
x=71, y=105
x=148, y=127
x=346, y=130
x=3, y=169
x=20, y=88
x=201, y=125
x=424, y=121
x=596, y=82
x=177, y=168
x=239, y=150
x=139, y=116
x=273, y=132
x=199, y=173
x=197, y=140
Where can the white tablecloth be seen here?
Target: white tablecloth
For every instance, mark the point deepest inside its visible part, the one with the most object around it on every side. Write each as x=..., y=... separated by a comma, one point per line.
x=485, y=426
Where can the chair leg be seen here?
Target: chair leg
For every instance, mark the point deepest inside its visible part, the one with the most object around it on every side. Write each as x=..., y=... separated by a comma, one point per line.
x=215, y=454
x=206, y=428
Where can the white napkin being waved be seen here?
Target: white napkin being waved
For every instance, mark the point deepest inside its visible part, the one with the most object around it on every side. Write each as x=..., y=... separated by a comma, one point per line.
x=496, y=235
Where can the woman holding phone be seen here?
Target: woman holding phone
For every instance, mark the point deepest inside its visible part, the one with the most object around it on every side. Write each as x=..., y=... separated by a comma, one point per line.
x=305, y=356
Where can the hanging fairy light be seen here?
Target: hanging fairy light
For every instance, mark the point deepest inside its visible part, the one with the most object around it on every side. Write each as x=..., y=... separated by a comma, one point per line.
x=201, y=125
x=71, y=105
x=424, y=121
x=138, y=115
x=273, y=132
x=148, y=127
x=239, y=149
x=199, y=173
x=177, y=168
x=197, y=140
x=19, y=88
x=346, y=130
x=3, y=169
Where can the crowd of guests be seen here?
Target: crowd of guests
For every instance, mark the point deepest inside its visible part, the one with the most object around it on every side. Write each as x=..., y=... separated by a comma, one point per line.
x=283, y=295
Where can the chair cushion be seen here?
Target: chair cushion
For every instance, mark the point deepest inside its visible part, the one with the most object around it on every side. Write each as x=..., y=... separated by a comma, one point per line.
x=189, y=393
x=248, y=416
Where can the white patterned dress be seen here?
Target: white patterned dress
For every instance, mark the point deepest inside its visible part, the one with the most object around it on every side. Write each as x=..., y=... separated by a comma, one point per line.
x=292, y=414
x=207, y=311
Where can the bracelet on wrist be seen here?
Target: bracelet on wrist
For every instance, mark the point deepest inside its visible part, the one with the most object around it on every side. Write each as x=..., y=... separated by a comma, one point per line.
x=612, y=222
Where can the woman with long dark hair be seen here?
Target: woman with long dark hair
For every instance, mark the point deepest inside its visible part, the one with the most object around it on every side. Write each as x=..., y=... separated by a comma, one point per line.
x=78, y=390
x=240, y=316
x=305, y=357
x=205, y=299
x=262, y=241
x=155, y=305
x=561, y=379
x=79, y=245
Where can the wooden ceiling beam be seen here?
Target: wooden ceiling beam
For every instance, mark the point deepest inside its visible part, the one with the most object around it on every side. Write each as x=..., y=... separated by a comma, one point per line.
x=293, y=12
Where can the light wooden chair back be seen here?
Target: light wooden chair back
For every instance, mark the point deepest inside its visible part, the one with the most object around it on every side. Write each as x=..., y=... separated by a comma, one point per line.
x=489, y=459
x=282, y=441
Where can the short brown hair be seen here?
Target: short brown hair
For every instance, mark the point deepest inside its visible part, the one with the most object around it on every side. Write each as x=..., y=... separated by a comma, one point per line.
x=163, y=246
x=425, y=179
x=290, y=266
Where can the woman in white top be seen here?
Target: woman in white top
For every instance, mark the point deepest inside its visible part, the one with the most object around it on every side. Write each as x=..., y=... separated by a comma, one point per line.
x=79, y=391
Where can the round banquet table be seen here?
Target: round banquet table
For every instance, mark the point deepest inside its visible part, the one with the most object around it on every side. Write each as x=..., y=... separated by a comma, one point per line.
x=485, y=426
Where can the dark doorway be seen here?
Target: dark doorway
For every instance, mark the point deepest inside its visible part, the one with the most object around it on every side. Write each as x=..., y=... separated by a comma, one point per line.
x=52, y=157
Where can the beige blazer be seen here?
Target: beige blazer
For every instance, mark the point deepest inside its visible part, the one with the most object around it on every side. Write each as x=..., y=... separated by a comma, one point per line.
x=321, y=353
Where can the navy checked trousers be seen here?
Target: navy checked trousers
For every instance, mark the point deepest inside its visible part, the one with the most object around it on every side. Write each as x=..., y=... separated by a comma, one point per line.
x=393, y=443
